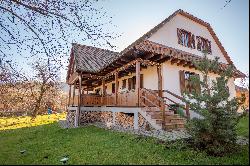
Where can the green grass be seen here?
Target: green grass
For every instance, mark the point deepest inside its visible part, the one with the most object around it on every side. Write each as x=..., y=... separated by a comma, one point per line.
x=243, y=127
x=26, y=121
x=92, y=145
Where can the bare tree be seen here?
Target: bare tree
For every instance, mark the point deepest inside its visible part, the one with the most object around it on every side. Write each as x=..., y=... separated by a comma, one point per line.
x=45, y=28
x=45, y=80
x=48, y=27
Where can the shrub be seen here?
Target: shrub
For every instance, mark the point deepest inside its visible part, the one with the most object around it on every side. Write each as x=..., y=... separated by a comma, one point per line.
x=215, y=132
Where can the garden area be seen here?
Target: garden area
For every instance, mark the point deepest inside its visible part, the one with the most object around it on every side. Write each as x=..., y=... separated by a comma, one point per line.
x=44, y=142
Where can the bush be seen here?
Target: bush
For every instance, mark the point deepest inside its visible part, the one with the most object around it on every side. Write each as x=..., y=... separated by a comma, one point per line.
x=215, y=133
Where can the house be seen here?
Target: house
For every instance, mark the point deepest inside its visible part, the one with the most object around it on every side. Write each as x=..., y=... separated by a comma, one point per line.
x=136, y=87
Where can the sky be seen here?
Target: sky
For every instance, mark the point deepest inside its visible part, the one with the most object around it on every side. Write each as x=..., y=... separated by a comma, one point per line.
x=133, y=18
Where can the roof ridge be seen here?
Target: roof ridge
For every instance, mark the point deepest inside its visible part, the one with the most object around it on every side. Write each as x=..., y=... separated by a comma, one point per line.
x=83, y=45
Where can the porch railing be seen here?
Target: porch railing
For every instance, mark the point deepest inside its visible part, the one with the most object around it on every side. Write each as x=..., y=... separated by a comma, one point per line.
x=124, y=99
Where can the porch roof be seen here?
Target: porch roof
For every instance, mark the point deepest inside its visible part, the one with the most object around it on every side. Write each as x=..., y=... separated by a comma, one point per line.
x=92, y=59
x=172, y=53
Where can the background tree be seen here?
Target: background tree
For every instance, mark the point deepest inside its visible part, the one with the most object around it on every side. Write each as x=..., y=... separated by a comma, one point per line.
x=215, y=131
x=45, y=29
x=46, y=81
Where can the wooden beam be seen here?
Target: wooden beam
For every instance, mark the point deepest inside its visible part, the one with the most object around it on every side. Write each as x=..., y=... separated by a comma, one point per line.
x=103, y=91
x=138, y=82
x=148, y=56
x=157, y=57
x=69, y=95
x=174, y=61
x=159, y=80
x=73, y=78
x=74, y=93
x=79, y=100
x=180, y=62
x=116, y=88
x=187, y=64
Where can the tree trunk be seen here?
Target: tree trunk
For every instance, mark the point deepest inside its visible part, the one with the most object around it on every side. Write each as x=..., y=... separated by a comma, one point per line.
x=38, y=102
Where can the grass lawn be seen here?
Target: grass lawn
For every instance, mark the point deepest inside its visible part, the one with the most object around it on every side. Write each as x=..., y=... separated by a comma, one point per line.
x=243, y=127
x=47, y=144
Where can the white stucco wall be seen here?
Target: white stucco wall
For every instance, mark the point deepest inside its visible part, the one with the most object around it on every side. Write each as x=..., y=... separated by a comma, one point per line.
x=150, y=80
x=171, y=78
x=167, y=35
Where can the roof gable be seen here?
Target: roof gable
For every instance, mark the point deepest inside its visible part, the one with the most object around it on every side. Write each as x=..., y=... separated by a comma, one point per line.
x=189, y=16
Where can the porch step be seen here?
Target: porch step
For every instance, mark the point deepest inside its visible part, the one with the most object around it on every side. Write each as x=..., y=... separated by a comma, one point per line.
x=167, y=116
x=171, y=120
x=173, y=126
x=159, y=113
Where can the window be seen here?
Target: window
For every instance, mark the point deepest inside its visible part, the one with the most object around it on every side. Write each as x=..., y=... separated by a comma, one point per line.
x=203, y=44
x=129, y=83
x=186, y=38
x=124, y=84
x=141, y=81
x=113, y=87
x=97, y=91
x=186, y=85
x=133, y=82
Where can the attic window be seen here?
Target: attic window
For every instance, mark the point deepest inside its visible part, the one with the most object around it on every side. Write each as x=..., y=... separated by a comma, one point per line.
x=185, y=38
x=203, y=44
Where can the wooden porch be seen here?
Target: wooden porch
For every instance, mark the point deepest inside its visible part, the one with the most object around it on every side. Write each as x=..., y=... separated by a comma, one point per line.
x=153, y=102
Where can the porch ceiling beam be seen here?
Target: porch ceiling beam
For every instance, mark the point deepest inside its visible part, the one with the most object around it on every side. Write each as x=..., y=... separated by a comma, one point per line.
x=118, y=62
x=125, y=59
x=165, y=58
x=174, y=61
x=181, y=62
x=187, y=64
x=148, y=56
x=156, y=57
x=73, y=78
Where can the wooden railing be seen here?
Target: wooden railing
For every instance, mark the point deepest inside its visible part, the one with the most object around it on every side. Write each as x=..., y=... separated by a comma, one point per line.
x=127, y=98
x=150, y=99
x=186, y=107
x=124, y=99
x=90, y=100
x=109, y=100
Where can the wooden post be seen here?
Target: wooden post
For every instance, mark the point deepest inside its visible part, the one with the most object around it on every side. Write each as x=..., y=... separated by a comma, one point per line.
x=69, y=95
x=161, y=103
x=74, y=93
x=79, y=100
x=137, y=89
x=116, y=88
x=103, y=91
x=159, y=81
